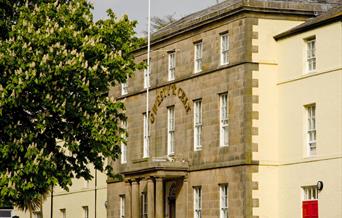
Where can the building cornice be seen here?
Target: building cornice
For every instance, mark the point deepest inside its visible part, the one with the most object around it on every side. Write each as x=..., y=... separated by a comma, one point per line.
x=227, y=9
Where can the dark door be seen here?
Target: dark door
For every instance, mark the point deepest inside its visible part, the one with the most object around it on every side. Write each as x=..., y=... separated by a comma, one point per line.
x=172, y=207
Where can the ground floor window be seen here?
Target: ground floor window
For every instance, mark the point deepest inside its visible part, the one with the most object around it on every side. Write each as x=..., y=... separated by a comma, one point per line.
x=224, y=201
x=310, y=202
x=144, y=204
x=197, y=202
x=122, y=206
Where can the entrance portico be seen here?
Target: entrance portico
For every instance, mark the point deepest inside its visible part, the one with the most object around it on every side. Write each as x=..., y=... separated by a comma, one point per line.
x=163, y=186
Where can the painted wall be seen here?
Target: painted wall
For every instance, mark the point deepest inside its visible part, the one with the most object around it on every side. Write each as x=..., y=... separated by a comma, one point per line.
x=265, y=115
x=281, y=89
x=80, y=194
x=297, y=88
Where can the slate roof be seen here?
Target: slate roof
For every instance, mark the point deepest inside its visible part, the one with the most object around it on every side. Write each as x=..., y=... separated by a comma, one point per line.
x=231, y=7
x=335, y=14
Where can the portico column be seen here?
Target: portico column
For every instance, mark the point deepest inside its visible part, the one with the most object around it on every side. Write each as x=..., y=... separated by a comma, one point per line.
x=135, y=200
x=159, y=198
x=128, y=208
x=150, y=197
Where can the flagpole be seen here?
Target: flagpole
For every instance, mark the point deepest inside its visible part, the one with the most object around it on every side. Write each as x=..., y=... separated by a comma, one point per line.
x=148, y=73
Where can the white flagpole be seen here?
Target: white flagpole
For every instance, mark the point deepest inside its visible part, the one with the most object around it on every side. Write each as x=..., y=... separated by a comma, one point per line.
x=148, y=73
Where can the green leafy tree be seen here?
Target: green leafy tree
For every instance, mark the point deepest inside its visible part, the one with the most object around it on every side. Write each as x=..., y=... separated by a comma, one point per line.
x=56, y=116
x=9, y=14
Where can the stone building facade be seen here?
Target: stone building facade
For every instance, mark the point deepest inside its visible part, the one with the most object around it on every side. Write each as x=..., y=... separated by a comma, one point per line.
x=198, y=159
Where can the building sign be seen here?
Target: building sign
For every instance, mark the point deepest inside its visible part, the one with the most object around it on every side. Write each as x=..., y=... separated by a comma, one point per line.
x=165, y=92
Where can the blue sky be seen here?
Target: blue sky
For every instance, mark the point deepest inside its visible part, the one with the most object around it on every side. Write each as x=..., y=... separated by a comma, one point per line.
x=137, y=9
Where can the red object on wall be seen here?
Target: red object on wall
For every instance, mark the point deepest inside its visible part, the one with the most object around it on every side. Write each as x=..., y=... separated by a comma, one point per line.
x=310, y=209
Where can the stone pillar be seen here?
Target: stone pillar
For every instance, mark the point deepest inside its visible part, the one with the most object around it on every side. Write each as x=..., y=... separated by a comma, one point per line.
x=150, y=198
x=128, y=211
x=135, y=207
x=159, y=198
x=186, y=187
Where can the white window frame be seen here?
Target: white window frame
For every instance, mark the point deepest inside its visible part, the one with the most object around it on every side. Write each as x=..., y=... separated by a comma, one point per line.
x=147, y=75
x=124, y=145
x=224, y=120
x=309, y=193
x=197, y=124
x=224, y=48
x=171, y=65
x=144, y=205
x=124, y=88
x=310, y=54
x=122, y=206
x=198, y=47
x=85, y=211
x=146, y=137
x=197, y=202
x=146, y=79
x=224, y=194
x=311, y=132
x=63, y=212
x=171, y=130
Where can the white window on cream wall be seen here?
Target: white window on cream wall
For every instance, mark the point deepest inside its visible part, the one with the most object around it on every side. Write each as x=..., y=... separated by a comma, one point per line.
x=197, y=202
x=85, y=212
x=122, y=206
x=170, y=130
x=198, y=57
x=197, y=125
x=63, y=213
x=224, y=201
x=224, y=48
x=311, y=132
x=146, y=150
x=224, y=130
x=311, y=54
x=171, y=65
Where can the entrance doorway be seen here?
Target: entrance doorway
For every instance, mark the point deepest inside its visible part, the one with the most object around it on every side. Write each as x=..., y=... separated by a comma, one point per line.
x=172, y=201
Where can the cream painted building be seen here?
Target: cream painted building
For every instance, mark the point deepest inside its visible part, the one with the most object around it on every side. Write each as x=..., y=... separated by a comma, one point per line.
x=300, y=118
x=79, y=202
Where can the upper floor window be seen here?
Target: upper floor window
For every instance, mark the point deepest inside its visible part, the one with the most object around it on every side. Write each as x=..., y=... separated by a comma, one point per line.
x=147, y=74
x=85, y=212
x=197, y=124
x=198, y=57
x=171, y=130
x=224, y=49
x=123, y=144
x=311, y=129
x=146, y=152
x=197, y=202
x=172, y=66
x=224, y=201
x=311, y=54
x=124, y=88
x=63, y=213
x=224, y=131
x=144, y=205
x=122, y=206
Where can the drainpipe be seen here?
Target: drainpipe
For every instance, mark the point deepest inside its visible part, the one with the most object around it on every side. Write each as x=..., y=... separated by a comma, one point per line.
x=51, y=211
x=95, y=191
